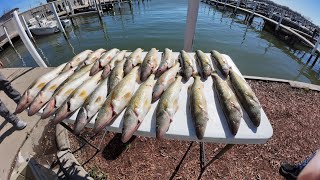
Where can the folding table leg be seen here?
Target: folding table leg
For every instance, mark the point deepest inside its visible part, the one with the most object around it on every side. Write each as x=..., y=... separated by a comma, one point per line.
x=202, y=155
x=220, y=153
x=104, y=134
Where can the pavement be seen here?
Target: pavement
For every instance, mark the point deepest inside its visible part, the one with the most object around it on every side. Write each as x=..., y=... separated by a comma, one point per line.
x=11, y=140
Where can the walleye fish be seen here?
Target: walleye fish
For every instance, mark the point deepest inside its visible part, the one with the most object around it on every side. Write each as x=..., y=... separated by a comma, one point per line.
x=33, y=90
x=220, y=62
x=188, y=67
x=229, y=103
x=167, y=61
x=93, y=57
x=198, y=107
x=167, y=107
x=133, y=60
x=103, y=61
x=247, y=97
x=150, y=64
x=66, y=90
x=164, y=82
x=77, y=98
x=137, y=109
x=91, y=106
x=115, y=76
x=78, y=59
x=46, y=93
x=107, y=69
x=204, y=62
x=117, y=100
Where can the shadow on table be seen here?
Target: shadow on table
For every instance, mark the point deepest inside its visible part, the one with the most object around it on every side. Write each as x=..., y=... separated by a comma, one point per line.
x=115, y=147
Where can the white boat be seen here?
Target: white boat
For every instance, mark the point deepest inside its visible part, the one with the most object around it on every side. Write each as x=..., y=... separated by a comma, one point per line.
x=43, y=27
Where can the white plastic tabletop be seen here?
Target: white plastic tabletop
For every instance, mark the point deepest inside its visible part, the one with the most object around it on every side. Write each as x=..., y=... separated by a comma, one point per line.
x=182, y=128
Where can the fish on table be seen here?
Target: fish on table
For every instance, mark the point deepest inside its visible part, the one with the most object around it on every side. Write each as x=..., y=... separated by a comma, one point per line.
x=76, y=60
x=66, y=89
x=167, y=61
x=91, y=106
x=103, y=61
x=115, y=76
x=77, y=98
x=164, y=81
x=33, y=90
x=108, y=68
x=198, y=107
x=134, y=59
x=167, y=107
x=93, y=57
x=137, y=109
x=229, y=103
x=205, y=64
x=150, y=64
x=117, y=100
x=247, y=97
x=46, y=93
x=220, y=62
x=187, y=64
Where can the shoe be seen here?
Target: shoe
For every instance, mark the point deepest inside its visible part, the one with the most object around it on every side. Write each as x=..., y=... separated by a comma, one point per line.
x=289, y=171
x=20, y=125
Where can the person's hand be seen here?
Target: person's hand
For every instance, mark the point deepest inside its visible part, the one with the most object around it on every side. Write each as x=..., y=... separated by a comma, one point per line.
x=312, y=170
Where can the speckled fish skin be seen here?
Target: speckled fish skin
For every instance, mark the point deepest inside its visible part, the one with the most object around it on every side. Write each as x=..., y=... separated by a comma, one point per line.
x=188, y=68
x=91, y=106
x=247, y=97
x=115, y=76
x=164, y=82
x=229, y=103
x=167, y=107
x=150, y=64
x=204, y=62
x=73, y=82
x=78, y=59
x=167, y=61
x=93, y=57
x=220, y=62
x=137, y=109
x=77, y=98
x=46, y=93
x=133, y=60
x=33, y=90
x=103, y=61
x=107, y=69
x=198, y=107
x=117, y=100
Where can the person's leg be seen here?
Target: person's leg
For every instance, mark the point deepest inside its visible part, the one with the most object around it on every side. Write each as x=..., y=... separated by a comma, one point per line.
x=5, y=85
x=305, y=162
x=11, y=118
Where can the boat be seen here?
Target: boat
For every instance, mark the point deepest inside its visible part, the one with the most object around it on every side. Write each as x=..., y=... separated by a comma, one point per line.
x=41, y=27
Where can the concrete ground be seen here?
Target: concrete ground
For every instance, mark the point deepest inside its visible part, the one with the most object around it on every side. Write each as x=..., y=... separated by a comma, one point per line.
x=11, y=140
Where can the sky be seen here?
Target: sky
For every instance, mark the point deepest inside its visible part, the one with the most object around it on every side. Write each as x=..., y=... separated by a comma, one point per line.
x=308, y=8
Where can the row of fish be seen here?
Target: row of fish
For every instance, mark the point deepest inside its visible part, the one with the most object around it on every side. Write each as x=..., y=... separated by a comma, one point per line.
x=103, y=82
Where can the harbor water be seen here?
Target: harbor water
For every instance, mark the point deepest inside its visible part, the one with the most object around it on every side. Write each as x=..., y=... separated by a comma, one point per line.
x=161, y=24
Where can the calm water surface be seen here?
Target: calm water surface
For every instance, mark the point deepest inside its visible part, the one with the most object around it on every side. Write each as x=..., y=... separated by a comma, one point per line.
x=161, y=24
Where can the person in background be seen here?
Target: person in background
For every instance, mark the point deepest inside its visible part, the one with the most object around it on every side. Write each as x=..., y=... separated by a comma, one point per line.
x=5, y=86
x=309, y=169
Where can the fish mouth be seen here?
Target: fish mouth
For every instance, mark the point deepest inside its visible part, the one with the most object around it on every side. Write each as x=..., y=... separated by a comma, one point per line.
x=105, y=120
x=146, y=73
x=163, y=123
x=95, y=68
x=106, y=72
x=62, y=113
x=81, y=120
x=24, y=102
x=128, y=130
x=161, y=70
x=49, y=109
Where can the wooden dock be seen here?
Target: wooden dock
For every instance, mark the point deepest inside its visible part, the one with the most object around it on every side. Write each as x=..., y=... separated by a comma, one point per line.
x=289, y=29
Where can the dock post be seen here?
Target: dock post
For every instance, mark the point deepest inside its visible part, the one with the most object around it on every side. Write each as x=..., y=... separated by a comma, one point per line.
x=316, y=46
x=70, y=7
x=57, y=18
x=280, y=20
x=8, y=37
x=191, y=21
x=225, y=3
x=27, y=28
x=315, y=61
x=253, y=10
x=238, y=4
x=27, y=42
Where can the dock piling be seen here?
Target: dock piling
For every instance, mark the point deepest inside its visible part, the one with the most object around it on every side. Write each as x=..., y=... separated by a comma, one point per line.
x=192, y=15
x=58, y=19
x=280, y=20
x=316, y=46
x=7, y=35
x=27, y=28
x=27, y=42
x=238, y=4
